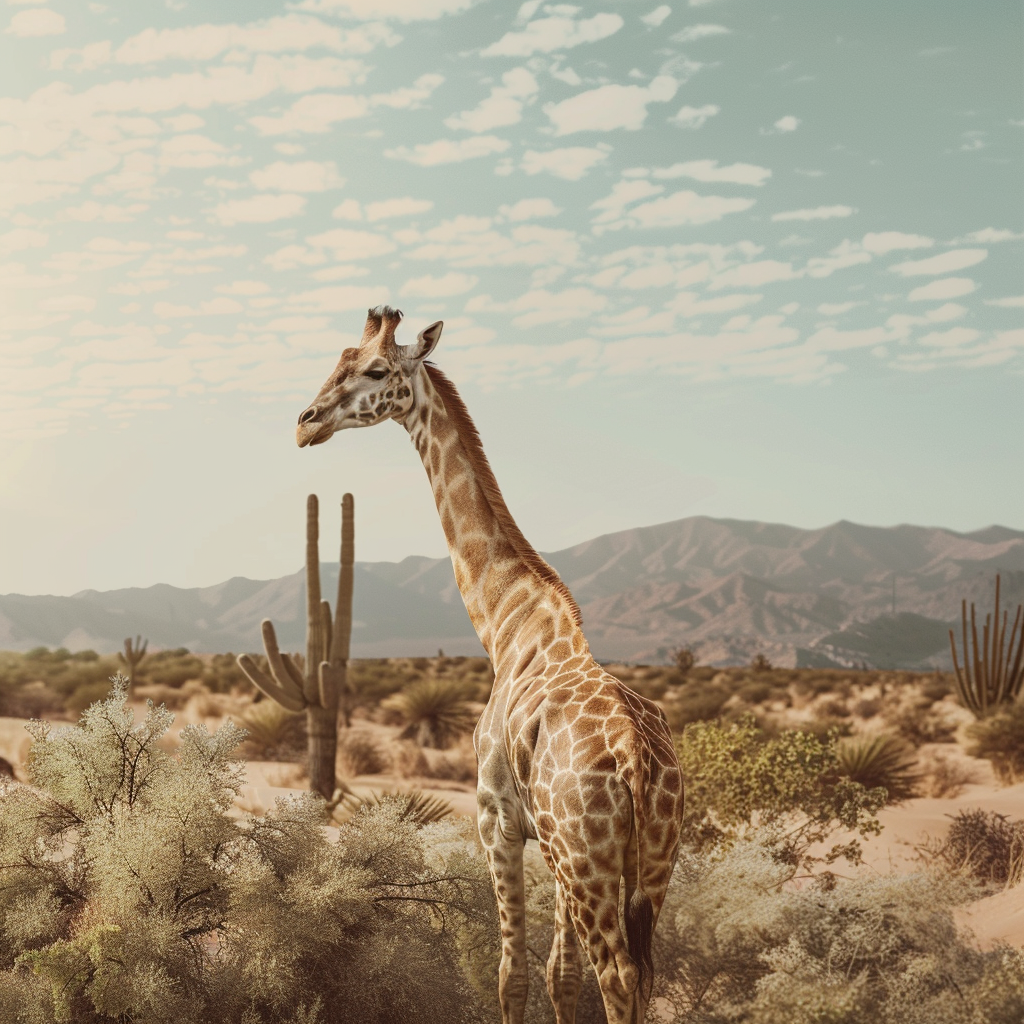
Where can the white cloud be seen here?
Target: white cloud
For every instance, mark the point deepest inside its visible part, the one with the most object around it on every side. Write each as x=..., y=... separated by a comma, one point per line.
x=570, y=163
x=395, y=10
x=409, y=97
x=989, y=235
x=429, y=287
x=543, y=307
x=21, y=238
x=692, y=33
x=195, y=151
x=609, y=107
x=944, y=263
x=623, y=193
x=694, y=117
x=244, y=288
x=946, y=288
x=338, y=298
x=835, y=308
x=789, y=123
x=406, y=206
x=303, y=176
x=708, y=170
x=472, y=242
x=682, y=208
x=657, y=16
x=259, y=209
x=449, y=151
x=289, y=33
x=212, y=307
x=882, y=242
x=530, y=209
x=754, y=275
x=1011, y=301
x=504, y=106
x=315, y=113
x=42, y=22
x=818, y=213
x=350, y=246
x=557, y=33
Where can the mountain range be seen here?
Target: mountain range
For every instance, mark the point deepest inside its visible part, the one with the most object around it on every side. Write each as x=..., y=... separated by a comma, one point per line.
x=727, y=588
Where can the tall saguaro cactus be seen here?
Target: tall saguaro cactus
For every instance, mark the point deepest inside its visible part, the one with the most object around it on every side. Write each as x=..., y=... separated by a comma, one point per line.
x=317, y=688
x=994, y=674
x=133, y=654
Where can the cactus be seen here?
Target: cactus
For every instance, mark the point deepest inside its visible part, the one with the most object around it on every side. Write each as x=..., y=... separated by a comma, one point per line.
x=133, y=654
x=322, y=678
x=994, y=674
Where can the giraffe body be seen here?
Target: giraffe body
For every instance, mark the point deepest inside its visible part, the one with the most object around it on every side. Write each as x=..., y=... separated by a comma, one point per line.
x=567, y=754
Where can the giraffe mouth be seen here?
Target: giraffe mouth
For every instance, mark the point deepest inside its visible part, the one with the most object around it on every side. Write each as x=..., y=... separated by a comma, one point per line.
x=310, y=434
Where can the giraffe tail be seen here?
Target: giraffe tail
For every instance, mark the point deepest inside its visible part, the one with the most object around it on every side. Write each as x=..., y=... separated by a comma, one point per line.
x=640, y=916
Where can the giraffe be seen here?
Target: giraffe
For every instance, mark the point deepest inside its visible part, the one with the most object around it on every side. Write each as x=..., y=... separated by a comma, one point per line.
x=567, y=754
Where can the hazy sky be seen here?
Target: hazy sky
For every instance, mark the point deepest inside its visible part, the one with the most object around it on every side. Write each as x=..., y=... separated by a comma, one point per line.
x=749, y=258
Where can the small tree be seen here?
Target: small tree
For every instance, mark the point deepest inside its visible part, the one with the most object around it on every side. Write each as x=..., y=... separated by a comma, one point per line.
x=760, y=663
x=684, y=659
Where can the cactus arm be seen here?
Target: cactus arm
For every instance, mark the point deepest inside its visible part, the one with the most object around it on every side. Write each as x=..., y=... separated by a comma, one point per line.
x=332, y=679
x=283, y=672
x=343, y=606
x=1017, y=672
x=267, y=685
x=314, y=623
x=325, y=625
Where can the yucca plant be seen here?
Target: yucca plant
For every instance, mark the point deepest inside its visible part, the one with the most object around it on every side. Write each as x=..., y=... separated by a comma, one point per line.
x=435, y=711
x=877, y=761
x=415, y=806
x=992, y=675
x=274, y=732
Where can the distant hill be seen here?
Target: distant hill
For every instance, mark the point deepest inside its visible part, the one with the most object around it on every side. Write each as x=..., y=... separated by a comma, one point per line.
x=729, y=588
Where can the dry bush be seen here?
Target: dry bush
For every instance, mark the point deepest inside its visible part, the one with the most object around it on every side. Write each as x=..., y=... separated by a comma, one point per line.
x=985, y=845
x=880, y=761
x=31, y=700
x=867, y=707
x=831, y=708
x=455, y=765
x=435, y=712
x=945, y=776
x=360, y=753
x=408, y=760
x=918, y=723
x=274, y=733
x=1000, y=739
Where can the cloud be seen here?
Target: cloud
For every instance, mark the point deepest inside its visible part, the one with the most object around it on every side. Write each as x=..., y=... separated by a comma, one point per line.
x=692, y=33
x=384, y=209
x=243, y=288
x=394, y=10
x=21, y=238
x=315, y=113
x=789, y=123
x=543, y=307
x=708, y=170
x=609, y=107
x=259, y=209
x=754, y=275
x=466, y=241
x=429, y=287
x=449, y=151
x=882, y=242
x=694, y=117
x=818, y=213
x=530, y=209
x=212, y=307
x=944, y=263
x=989, y=235
x=623, y=193
x=682, y=208
x=570, y=163
x=303, y=176
x=409, y=97
x=657, y=16
x=947, y=288
x=41, y=22
x=1011, y=302
x=504, y=106
x=557, y=33
x=350, y=246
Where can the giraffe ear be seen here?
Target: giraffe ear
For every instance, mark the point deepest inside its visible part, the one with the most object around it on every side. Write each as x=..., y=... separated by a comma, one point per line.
x=425, y=342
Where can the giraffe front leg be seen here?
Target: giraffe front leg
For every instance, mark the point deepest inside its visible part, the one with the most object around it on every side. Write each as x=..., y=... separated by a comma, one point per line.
x=563, y=975
x=504, y=850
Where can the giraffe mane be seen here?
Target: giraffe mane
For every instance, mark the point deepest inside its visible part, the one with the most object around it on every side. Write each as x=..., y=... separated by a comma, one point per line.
x=468, y=434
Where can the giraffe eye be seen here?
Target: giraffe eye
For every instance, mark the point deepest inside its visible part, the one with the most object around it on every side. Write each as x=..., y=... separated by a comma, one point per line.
x=376, y=374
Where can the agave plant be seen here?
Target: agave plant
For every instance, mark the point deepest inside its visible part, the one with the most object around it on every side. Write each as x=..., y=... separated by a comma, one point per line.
x=435, y=711
x=415, y=806
x=877, y=761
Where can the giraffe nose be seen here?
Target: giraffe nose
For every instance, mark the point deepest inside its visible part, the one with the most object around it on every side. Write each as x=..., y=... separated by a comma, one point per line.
x=310, y=414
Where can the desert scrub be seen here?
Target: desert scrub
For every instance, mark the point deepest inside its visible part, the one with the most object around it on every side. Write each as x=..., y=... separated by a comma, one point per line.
x=879, y=761
x=734, y=944
x=272, y=732
x=360, y=753
x=434, y=711
x=985, y=845
x=128, y=891
x=1000, y=739
x=791, y=784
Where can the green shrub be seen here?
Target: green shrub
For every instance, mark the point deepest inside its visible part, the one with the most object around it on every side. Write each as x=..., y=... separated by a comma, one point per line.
x=129, y=892
x=1000, y=739
x=792, y=783
x=435, y=711
x=879, y=761
x=734, y=944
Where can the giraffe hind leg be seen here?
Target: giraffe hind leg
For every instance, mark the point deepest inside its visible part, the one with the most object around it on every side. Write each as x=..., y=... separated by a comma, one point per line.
x=564, y=976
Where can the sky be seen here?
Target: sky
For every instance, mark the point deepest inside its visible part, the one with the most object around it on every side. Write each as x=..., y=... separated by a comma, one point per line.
x=755, y=259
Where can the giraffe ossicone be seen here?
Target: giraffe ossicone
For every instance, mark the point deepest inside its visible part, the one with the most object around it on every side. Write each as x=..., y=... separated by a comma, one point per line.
x=567, y=754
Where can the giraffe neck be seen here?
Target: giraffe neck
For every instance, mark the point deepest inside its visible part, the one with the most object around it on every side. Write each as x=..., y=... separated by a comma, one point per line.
x=517, y=603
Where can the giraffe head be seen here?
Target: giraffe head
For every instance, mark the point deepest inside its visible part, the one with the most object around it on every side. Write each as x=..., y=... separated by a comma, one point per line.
x=371, y=383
